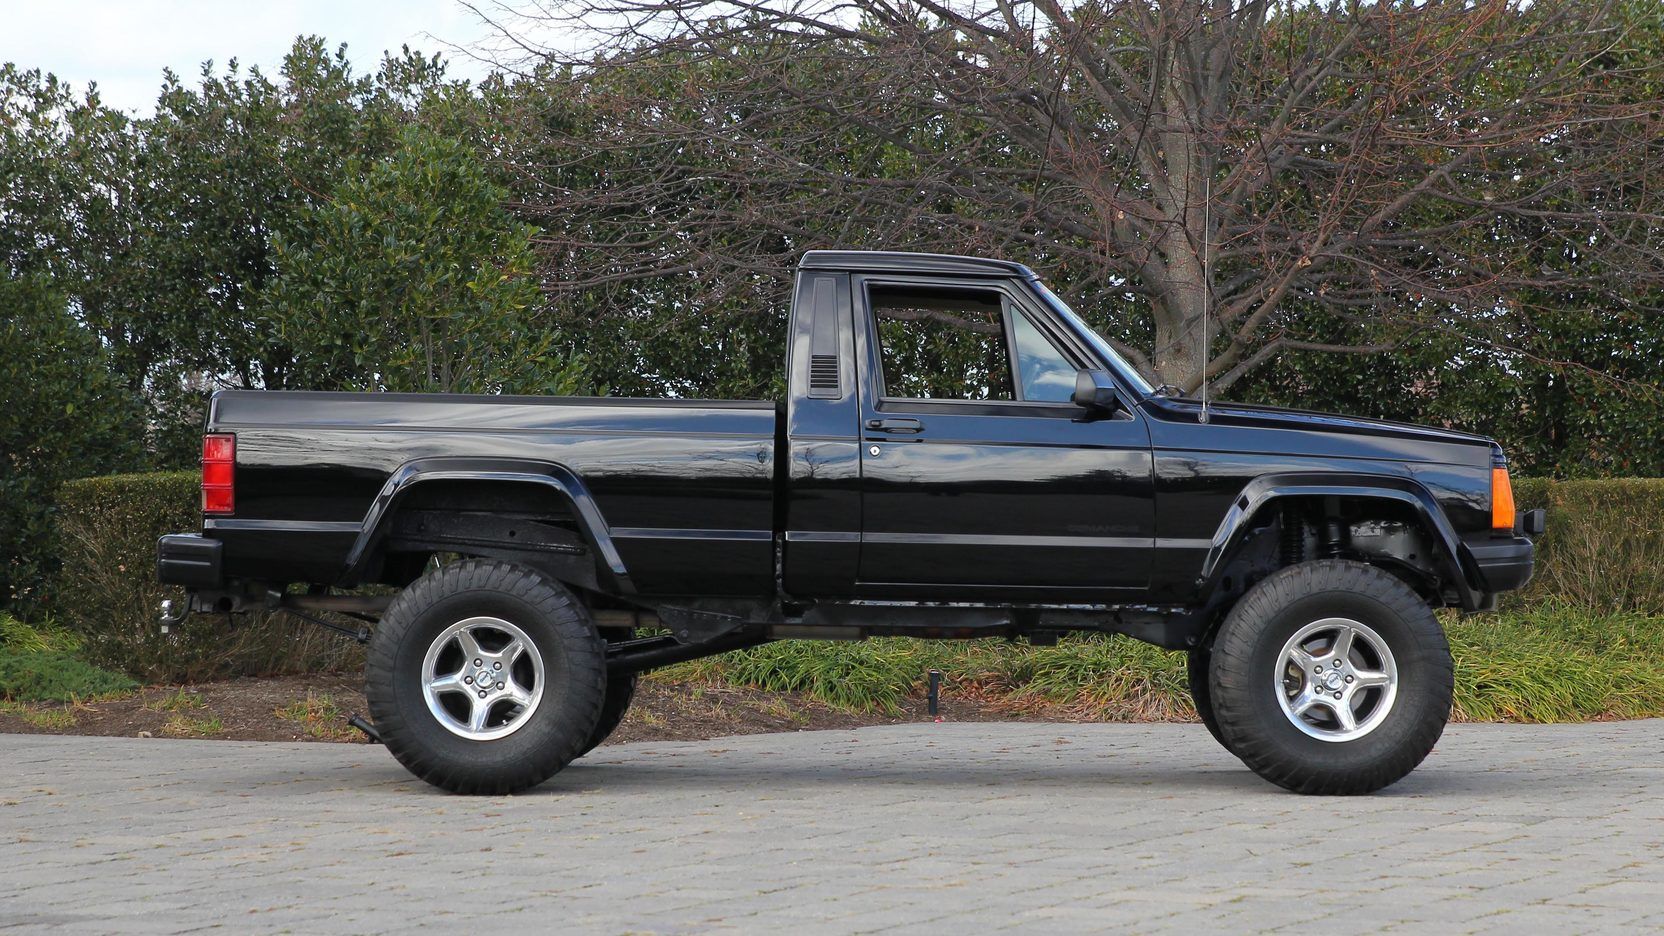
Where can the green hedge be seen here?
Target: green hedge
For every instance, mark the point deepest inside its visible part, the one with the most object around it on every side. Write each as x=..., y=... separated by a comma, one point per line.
x=106, y=592
x=1604, y=549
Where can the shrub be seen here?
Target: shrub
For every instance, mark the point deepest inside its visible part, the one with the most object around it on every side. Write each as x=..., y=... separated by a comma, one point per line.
x=64, y=415
x=107, y=594
x=1604, y=549
x=50, y=676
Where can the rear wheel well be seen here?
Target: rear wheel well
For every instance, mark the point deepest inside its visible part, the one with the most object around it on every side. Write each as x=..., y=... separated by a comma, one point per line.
x=519, y=521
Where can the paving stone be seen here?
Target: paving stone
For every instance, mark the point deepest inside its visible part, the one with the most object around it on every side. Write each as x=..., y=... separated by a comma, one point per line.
x=926, y=828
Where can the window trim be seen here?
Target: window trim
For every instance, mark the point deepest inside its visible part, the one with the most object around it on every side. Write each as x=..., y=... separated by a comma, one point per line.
x=1011, y=315
x=1010, y=304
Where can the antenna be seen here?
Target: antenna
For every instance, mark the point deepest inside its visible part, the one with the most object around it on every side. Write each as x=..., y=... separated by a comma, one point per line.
x=1207, y=287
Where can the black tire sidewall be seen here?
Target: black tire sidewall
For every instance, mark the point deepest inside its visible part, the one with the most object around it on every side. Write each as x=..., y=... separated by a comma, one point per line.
x=1244, y=685
x=573, y=678
x=1198, y=662
x=621, y=690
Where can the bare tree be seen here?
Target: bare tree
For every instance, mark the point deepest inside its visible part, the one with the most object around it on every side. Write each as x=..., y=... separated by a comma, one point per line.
x=1219, y=164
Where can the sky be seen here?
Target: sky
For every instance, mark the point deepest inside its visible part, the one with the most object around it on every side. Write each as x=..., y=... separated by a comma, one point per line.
x=124, y=44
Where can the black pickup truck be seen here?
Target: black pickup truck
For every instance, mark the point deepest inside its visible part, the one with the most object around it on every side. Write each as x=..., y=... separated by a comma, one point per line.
x=959, y=456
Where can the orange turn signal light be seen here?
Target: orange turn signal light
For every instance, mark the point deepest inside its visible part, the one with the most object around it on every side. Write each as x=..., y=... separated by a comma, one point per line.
x=1502, y=500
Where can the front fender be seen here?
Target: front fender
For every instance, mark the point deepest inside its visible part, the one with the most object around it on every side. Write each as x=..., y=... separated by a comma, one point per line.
x=1265, y=490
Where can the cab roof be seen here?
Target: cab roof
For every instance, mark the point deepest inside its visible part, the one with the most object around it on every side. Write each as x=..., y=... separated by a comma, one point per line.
x=896, y=261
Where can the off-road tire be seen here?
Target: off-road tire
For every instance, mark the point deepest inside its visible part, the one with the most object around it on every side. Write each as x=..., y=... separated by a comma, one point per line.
x=1245, y=661
x=621, y=688
x=575, y=677
x=1197, y=664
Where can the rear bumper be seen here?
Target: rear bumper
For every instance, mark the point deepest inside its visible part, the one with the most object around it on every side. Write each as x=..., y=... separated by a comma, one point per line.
x=191, y=560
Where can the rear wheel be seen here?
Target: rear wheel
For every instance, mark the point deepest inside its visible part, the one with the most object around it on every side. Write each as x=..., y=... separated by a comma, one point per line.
x=1197, y=665
x=1331, y=677
x=485, y=677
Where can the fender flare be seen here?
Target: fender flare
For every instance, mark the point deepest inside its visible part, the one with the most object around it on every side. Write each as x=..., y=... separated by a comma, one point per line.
x=551, y=475
x=1228, y=540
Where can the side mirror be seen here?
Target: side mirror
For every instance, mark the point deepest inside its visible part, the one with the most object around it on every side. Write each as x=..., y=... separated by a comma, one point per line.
x=1095, y=391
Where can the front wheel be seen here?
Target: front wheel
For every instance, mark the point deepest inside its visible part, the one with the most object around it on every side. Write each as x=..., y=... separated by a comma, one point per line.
x=485, y=677
x=621, y=689
x=1197, y=666
x=1331, y=677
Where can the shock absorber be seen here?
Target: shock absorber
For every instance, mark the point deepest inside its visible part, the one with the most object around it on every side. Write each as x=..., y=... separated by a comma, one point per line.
x=1334, y=537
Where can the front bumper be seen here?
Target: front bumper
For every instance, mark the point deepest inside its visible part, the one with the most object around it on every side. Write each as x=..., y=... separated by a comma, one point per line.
x=1507, y=564
x=191, y=560
x=1504, y=565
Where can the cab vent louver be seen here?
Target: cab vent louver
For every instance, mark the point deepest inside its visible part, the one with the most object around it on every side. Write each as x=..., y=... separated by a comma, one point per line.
x=824, y=379
x=823, y=374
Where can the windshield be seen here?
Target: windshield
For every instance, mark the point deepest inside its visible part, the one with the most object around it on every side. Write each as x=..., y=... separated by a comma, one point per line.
x=1118, y=363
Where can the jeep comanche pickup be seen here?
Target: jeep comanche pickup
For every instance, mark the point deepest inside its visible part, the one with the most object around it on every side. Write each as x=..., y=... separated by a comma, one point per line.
x=958, y=456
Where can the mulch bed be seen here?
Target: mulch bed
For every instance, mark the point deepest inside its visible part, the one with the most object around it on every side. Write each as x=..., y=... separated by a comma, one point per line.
x=315, y=707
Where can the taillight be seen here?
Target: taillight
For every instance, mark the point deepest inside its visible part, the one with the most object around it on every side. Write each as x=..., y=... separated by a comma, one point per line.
x=1502, y=500
x=219, y=466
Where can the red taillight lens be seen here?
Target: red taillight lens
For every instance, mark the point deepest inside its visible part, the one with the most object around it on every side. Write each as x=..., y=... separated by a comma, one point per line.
x=219, y=466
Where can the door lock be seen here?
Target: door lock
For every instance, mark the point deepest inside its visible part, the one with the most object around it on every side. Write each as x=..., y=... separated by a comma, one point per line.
x=873, y=451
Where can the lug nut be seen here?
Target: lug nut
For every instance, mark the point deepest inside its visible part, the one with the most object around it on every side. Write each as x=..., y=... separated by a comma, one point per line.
x=1348, y=679
x=482, y=694
x=498, y=665
x=1337, y=695
x=468, y=679
x=479, y=663
x=499, y=685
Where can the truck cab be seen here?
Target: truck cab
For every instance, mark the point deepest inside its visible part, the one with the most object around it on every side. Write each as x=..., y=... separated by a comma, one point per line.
x=981, y=481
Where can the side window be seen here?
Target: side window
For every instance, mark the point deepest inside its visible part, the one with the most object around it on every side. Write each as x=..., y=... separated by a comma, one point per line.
x=1046, y=375
x=942, y=344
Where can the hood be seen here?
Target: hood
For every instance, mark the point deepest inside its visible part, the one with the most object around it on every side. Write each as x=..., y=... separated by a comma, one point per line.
x=1182, y=409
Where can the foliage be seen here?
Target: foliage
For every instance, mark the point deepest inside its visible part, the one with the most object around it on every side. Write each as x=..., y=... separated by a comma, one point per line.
x=65, y=415
x=18, y=637
x=413, y=277
x=229, y=240
x=864, y=675
x=160, y=230
x=1552, y=663
x=107, y=595
x=1604, y=549
x=53, y=676
x=1208, y=180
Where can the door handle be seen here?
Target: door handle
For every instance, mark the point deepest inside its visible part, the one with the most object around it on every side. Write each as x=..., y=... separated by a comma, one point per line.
x=895, y=424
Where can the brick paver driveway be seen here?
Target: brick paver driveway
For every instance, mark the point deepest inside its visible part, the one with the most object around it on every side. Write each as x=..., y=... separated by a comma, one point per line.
x=932, y=828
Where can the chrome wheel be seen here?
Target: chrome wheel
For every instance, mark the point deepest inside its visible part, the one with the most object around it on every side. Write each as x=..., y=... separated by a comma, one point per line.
x=482, y=678
x=1336, y=679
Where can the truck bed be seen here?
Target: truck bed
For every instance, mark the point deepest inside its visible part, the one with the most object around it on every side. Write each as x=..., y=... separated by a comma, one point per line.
x=685, y=487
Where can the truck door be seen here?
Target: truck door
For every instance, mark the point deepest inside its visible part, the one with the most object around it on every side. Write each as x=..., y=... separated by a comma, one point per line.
x=980, y=480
